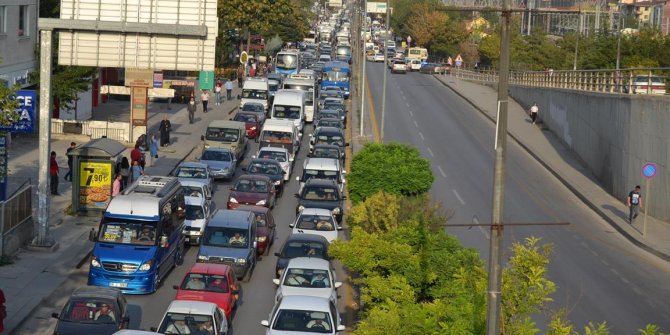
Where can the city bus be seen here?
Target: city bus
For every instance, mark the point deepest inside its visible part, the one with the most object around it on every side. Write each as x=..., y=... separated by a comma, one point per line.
x=287, y=62
x=417, y=53
x=336, y=73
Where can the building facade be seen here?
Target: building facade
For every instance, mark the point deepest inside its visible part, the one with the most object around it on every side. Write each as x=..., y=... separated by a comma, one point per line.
x=18, y=40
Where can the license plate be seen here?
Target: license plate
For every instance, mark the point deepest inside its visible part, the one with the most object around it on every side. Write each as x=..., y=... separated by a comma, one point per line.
x=118, y=285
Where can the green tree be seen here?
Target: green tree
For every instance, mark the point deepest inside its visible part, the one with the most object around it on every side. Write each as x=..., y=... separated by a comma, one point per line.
x=394, y=168
x=8, y=104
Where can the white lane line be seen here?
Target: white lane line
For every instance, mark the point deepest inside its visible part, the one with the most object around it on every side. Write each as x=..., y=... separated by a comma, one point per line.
x=421, y=135
x=444, y=175
x=430, y=152
x=605, y=262
x=411, y=113
x=407, y=104
x=403, y=97
x=458, y=196
x=416, y=124
x=481, y=228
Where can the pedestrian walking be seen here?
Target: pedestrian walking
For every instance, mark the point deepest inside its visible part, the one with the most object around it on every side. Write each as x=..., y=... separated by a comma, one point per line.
x=124, y=171
x=229, y=89
x=252, y=71
x=116, y=186
x=240, y=75
x=153, y=148
x=135, y=171
x=53, y=172
x=217, y=92
x=165, y=128
x=634, y=204
x=204, y=96
x=191, y=110
x=70, y=161
x=533, y=112
x=136, y=154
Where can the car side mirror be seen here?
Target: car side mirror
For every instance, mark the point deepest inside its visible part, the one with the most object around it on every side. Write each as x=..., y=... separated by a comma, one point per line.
x=341, y=328
x=275, y=281
x=265, y=323
x=255, y=244
x=175, y=287
x=153, y=329
x=55, y=315
x=291, y=225
x=339, y=227
x=344, y=197
x=202, y=137
x=338, y=284
x=297, y=195
x=253, y=156
x=164, y=241
x=239, y=97
x=344, y=171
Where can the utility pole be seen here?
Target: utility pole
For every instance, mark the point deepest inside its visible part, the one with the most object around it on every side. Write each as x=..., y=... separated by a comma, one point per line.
x=386, y=37
x=364, y=24
x=579, y=32
x=500, y=146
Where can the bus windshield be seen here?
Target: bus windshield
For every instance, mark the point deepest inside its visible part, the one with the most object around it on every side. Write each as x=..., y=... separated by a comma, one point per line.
x=336, y=76
x=287, y=61
x=128, y=232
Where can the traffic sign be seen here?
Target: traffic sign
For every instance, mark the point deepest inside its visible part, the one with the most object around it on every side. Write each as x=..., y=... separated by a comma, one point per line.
x=244, y=57
x=459, y=60
x=649, y=170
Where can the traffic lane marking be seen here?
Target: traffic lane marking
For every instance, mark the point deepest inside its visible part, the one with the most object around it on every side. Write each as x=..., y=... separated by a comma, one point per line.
x=371, y=106
x=458, y=196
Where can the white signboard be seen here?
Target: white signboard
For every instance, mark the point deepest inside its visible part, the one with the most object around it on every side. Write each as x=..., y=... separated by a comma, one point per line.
x=135, y=50
x=376, y=7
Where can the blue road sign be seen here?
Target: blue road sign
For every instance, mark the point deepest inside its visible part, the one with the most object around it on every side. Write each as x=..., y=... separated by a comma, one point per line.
x=649, y=170
x=27, y=107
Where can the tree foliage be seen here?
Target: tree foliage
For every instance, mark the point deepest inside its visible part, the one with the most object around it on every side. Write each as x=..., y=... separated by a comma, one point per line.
x=425, y=23
x=8, y=104
x=394, y=168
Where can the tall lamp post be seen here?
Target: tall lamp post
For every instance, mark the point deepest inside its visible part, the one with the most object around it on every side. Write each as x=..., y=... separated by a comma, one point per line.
x=386, y=37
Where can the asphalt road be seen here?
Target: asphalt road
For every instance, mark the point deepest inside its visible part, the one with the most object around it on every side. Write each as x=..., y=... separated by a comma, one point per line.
x=600, y=276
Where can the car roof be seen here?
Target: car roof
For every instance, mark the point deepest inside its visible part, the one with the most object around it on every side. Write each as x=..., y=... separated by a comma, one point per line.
x=315, y=211
x=231, y=218
x=305, y=303
x=308, y=263
x=327, y=130
x=307, y=238
x=319, y=163
x=96, y=292
x=326, y=145
x=252, y=103
x=193, y=164
x=210, y=268
x=191, y=307
x=193, y=182
x=196, y=201
x=320, y=182
x=255, y=177
x=275, y=149
x=264, y=160
x=254, y=209
x=218, y=149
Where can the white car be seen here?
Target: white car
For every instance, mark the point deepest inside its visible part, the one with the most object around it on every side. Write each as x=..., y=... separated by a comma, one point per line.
x=398, y=66
x=308, y=276
x=414, y=64
x=316, y=221
x=649, y=85
x=304, y=315
x=281, y=155
x=188, y=317
x=197, y=215
x=379, y=57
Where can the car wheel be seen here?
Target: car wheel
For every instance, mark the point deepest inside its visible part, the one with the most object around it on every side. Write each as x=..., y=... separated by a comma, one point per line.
x=179, y=257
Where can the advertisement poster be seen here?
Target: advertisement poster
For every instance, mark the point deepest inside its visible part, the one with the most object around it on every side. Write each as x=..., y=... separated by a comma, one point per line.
x=95, y=184
x=27, y=107
x=139, y=106
x=3, y=169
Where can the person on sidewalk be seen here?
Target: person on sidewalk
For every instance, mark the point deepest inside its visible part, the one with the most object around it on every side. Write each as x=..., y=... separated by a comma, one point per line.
x=124, y=171
x=191, y=110
x=116, y=185
x=217, y=91
x=153, y=147
x=634, y=203
x=240, y=75
x=70, y=161
x=136, y=171
x=229, y=89
x=204, y=96
x=53, y=172
x=136, y=154
x=533, y=112
x=165, y=128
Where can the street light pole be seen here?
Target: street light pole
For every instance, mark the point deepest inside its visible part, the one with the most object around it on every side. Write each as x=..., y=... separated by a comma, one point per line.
x=386, y=37
x=500, y=146
x=579, y=32
x=364, y=24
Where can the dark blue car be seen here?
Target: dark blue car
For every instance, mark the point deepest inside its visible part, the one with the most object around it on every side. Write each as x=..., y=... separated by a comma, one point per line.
x=93, y=310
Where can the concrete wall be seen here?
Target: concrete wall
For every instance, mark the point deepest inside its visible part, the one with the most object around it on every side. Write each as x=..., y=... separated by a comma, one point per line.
x=614, y=135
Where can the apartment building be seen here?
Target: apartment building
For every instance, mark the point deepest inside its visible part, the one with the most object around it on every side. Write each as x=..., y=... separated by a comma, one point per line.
x=18, y=40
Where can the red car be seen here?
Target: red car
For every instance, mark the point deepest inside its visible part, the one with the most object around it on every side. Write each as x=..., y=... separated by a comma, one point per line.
x=265, y=227
x=215, y=283
x=255, y=190
x=251, y=122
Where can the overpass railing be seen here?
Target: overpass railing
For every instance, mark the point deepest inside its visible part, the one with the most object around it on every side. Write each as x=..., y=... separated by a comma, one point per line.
x=624, y=81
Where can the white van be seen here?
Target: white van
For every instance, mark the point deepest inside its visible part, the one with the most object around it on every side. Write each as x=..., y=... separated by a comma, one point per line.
x=280, y=133
x=290, y=105
x=256, y=90
x=309, y=87
x=322, y=168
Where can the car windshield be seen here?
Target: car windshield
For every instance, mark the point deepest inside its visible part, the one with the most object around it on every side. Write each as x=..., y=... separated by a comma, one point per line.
x=315, y=222
x=251, y=186
x=192, y=191
x=216, y=155
x=303, y=249
x=254, y=94
x=647, y=79
x=326, y=153
x=195, y=212
x=276, y=155
x=302, y=321
x=90, y=310
x=127, y=232
x=320, y=193
x=205, y=282
x=268, y=167
x=286, y=112
x=191, y=172
x=179, y=323
x=312, y=278
x=330, y=123
x=333, y=105
x=331, y=114
x=223, y=134
x=226, y=237
x=257, y=108
x=287, y=61
x=320, y=174
x=329, y=139
x=245, y=118
x=276, y=136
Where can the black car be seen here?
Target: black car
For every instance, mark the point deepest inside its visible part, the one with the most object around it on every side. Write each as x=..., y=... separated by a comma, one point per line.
x=327, y=135
x=301, y=245
x=268, y=167
x=321, y=193
x=93, y=310
x=429, y=68
x=338, y=114
x=325, y=121
x=324, y=150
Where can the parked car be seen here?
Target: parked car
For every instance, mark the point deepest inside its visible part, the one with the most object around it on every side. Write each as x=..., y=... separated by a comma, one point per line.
x=251, y=122
x=268, y=167
x=398, y=66
x=307, y=276
x=93, y=310
x=222, y=162
x=256, y=190
x=195, y=171
x=265, y=227
x=304, y=315
x=321, y=193
x=302, y=245
x=215, y=283
x=189, y=317
x=317, y=221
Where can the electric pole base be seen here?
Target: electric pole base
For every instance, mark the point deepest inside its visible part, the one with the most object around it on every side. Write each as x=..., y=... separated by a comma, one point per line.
x=46, y=244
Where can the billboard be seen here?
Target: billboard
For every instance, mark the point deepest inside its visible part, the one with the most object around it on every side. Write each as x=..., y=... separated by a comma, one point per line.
x=158, y=52
x=376, y=7
x=27, y=107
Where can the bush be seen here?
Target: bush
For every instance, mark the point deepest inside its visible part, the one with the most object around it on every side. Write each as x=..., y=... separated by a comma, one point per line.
x=393, y=168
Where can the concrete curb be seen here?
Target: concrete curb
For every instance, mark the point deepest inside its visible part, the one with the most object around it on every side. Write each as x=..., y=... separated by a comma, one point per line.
x=567, y=184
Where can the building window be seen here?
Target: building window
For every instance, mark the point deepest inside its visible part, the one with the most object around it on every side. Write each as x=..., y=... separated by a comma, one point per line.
x=3, y=19
x=24, y=21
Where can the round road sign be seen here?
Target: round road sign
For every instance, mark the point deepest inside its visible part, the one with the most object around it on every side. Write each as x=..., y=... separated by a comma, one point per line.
x=649, y=170
x=244, y=57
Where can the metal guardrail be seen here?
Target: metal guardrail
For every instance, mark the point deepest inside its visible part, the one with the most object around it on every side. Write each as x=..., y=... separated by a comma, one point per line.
x=624, y=81
x=16, y=210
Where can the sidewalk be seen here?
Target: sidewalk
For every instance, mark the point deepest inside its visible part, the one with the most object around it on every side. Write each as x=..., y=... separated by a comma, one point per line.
x=547, y=149
x=36, y=274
